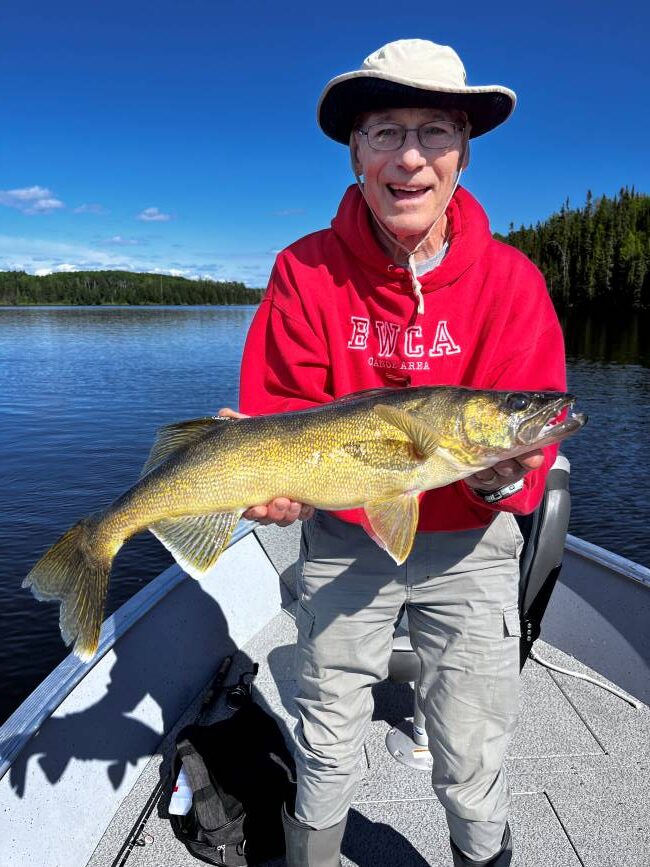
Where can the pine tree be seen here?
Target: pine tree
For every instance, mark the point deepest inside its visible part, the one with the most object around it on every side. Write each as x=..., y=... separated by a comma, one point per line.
x=598, y=255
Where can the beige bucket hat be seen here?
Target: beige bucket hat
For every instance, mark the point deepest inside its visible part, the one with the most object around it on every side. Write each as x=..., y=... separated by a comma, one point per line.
x=411, y=73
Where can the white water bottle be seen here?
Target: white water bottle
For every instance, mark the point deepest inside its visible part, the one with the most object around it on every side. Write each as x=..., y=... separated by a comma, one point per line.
x=181, y=799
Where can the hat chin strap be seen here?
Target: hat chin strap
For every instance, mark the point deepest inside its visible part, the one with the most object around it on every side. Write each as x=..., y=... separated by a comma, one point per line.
x=415, y=283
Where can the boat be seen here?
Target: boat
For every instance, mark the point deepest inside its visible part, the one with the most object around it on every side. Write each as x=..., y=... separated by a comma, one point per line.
x=84, y=761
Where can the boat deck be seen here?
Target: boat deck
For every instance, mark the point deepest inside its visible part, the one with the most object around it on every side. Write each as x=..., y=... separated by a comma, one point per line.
x=578, y=768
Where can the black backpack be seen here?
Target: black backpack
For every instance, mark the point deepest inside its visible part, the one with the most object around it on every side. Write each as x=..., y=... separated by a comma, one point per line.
x=240, y=773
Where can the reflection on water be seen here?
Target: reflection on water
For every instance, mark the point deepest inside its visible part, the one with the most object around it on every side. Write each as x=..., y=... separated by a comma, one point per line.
x=608, y=361
x=611, y=338
x=83, y=390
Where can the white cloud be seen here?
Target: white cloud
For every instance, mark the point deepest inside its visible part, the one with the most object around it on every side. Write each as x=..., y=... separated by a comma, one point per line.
x=119, y=241
x=59, y=267
x=32, y=254
x=153, y=215
x=90, y=208
x=43, y=256
x=31, y=200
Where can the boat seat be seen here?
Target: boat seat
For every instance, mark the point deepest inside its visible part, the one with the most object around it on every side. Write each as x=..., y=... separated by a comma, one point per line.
x=544, y=533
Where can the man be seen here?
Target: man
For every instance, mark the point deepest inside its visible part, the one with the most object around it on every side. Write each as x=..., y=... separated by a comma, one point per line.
x=407, y=288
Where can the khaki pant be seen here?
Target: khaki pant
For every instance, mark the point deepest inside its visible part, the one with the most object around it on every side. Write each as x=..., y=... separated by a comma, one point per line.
x=461, y=594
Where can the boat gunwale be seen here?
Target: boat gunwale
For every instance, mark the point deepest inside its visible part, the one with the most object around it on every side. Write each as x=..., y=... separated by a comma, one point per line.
x=603, y=557
x=26, y=720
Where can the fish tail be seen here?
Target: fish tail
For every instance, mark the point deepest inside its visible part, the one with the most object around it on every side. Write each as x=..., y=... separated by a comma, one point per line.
x=75, y=572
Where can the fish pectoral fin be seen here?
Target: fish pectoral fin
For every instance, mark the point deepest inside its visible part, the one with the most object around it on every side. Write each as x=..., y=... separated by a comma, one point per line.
x=196, y=541
x=174, y=436
x=425, y=440
x=393, y=523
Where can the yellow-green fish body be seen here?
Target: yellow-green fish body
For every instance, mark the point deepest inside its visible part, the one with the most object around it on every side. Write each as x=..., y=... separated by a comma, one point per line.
x=377, y=450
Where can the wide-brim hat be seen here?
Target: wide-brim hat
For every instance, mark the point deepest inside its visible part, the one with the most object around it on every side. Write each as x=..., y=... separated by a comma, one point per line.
x=411, y=73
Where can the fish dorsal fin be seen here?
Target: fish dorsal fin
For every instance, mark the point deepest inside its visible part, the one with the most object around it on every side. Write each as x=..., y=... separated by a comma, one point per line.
x=379, y=391
x=196, y=541
x=393, y=523
x=425, y=441
x=172, y=437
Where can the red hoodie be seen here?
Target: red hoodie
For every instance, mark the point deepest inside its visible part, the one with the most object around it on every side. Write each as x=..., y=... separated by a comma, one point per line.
x=339, y=316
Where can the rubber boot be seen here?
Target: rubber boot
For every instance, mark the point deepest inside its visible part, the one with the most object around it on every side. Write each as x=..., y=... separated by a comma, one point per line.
x=308, y=847
x=502, y=858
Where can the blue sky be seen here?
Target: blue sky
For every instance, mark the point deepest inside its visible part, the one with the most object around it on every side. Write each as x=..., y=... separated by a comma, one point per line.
x=181, y=136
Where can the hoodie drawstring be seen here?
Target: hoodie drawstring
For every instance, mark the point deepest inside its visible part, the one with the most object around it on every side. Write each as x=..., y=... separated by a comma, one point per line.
x=417, y=286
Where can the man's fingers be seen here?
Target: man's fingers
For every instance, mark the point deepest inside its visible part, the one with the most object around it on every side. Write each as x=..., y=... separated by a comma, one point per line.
x=280, y=511
x=277, y=509
x=287, y=515
x=227, y=412
x=515, y=466
x=487, y=476
x=506, y=472
x=255, y=513
x=532, y=460
x=293, y=512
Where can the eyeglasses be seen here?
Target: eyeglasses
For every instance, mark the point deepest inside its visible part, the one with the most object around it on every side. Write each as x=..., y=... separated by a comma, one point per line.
x=433, y=135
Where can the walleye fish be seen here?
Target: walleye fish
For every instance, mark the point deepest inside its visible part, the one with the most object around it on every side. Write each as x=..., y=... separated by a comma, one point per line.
x=377, y=449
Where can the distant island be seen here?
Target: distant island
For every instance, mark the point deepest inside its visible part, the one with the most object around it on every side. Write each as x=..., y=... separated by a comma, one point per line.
x=596, y=257
x=119, y=287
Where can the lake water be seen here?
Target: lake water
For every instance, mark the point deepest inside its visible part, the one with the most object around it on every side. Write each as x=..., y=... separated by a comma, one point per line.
x=83, y=390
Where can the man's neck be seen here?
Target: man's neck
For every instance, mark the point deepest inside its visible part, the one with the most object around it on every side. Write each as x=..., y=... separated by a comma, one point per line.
x=432, y=245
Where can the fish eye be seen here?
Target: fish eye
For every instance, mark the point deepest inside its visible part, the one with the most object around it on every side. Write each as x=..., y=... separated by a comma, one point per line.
x=517, y=402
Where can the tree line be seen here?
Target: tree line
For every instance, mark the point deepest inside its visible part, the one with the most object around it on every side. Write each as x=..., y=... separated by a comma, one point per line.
x=119, y=287
x=597, y=256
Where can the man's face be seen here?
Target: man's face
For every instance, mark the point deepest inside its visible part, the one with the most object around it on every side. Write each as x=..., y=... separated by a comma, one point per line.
x=407, y=188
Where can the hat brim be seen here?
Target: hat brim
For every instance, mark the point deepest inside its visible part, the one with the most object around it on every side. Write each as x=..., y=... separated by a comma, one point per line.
x=348, y=96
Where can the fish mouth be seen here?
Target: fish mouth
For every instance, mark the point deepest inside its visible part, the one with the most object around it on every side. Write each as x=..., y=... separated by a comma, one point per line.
x=544, y=428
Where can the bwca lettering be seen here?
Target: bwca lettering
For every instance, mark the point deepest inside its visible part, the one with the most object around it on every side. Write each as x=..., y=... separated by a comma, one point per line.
x=412, y=341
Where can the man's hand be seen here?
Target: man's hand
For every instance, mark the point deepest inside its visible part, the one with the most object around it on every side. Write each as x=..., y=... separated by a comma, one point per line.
x=506, y=472
x=281, y=511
